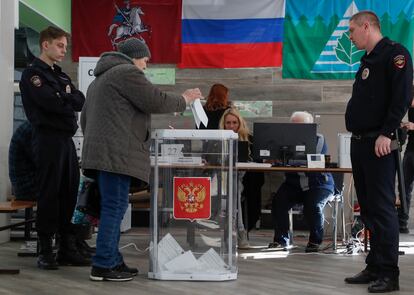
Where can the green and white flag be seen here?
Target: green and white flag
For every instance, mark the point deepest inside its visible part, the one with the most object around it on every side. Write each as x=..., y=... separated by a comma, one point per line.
x=316, y=42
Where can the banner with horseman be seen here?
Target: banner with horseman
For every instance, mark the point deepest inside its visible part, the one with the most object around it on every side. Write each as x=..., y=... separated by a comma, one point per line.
x=99, y=25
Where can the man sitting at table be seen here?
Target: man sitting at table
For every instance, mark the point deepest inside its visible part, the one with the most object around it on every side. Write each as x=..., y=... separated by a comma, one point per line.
x=312, y=189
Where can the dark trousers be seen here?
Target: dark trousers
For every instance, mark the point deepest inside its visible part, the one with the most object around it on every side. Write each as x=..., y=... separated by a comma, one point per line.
x=57, y=175
x=374, y=180
x=252, y=198
x=314, y=200
x=408, y=167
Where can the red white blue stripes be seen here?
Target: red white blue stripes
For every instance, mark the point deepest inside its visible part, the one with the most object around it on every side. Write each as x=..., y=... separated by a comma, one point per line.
x=232, y=33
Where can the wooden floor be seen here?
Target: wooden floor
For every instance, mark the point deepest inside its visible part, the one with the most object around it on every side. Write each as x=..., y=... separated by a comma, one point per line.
x=260, y=272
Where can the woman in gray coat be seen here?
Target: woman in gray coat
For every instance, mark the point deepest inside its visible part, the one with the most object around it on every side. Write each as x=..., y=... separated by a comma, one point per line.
x=116, y=123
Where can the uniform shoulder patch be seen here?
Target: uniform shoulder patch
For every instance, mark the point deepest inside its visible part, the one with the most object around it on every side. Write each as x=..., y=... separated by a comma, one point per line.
x=399, y=61
x=35, y=80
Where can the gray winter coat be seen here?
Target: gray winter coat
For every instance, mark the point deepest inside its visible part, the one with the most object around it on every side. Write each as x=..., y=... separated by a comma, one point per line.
x=116, y=117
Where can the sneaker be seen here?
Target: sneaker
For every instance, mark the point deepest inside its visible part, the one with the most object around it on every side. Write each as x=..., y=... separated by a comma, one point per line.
x=312, y=247
x=277, y=245
x=109, y=274
x=124, y=268
x=242, y=241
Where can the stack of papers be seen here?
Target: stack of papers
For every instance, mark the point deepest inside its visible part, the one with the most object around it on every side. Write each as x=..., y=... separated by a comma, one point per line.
x=252, y=165
x=172, y=258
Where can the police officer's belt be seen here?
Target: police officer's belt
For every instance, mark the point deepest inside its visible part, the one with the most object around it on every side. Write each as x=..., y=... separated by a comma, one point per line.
x=373, y=134
x=394, y=143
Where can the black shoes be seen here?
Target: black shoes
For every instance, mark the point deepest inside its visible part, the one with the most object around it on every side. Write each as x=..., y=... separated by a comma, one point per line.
x=108, y=274
x=72, y=258
x=312, y=247
x=47, y=261
x=84, y=249
x=404, y=230
x=277, y=246
x=383, y=285
x=364, y=277
x=378, y=285
x=69, y=254
x=124, y=268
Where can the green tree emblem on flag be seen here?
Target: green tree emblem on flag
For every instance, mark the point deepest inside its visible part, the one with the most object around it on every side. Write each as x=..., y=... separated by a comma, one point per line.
x=346, y=51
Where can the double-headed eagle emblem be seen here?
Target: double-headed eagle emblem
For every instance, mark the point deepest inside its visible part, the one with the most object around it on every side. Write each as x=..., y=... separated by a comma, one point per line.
x=191, y=197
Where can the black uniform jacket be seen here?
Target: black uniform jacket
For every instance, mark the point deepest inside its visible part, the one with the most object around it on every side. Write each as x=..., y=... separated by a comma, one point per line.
x=46, y=102
x=410, y=133
x=382, y=90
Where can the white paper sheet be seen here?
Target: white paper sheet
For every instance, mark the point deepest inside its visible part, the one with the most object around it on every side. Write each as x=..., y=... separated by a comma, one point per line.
x=199, y=114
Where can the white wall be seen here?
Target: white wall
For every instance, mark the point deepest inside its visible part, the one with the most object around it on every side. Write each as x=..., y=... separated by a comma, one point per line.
x=7, y=21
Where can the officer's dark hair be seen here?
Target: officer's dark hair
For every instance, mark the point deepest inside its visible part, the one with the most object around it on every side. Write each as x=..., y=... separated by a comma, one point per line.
x=51, y=33
x=366, y=15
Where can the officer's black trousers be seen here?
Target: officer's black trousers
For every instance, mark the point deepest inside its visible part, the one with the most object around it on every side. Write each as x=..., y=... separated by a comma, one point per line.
x=374, y=180
x=58, y=180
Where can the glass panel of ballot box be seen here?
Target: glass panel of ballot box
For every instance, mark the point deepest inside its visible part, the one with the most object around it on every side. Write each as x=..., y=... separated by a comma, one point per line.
x=193, y=205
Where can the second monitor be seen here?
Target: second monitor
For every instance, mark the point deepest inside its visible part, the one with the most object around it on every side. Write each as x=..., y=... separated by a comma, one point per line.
x=283, y=142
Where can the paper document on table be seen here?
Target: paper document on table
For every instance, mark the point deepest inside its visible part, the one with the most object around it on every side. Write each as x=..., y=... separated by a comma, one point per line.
x=199, y=114
x=253, y=165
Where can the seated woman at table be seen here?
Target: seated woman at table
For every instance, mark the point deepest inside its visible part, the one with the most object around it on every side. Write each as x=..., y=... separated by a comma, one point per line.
x=250, y=183
x=312, y=189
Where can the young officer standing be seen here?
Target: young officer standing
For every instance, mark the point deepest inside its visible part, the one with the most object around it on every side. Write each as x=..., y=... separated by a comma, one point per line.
x=50, y=101
x=383, y=86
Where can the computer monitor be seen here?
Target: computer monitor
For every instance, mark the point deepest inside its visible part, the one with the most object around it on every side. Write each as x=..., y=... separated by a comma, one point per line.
x=243, y=151
x=282, y=142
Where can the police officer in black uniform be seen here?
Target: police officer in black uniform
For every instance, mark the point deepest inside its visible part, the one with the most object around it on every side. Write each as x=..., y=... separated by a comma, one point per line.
x=380, y=98
x=50, y=101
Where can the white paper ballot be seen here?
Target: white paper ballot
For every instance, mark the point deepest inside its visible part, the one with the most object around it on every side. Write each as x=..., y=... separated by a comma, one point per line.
x=183, y=263
x=211, y=261
x=168, y=249
x=199, y=114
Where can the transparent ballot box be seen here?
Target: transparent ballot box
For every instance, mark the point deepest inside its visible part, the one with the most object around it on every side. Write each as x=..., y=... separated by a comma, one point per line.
x=193, y=205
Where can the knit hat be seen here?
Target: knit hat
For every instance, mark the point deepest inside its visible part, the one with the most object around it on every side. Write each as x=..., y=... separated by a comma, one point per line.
x=134, y=48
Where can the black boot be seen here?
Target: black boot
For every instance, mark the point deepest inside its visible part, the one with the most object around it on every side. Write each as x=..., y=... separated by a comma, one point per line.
x=68, y=253
x=84, y=248
x=82, y=231
x=384, y=285
x=46, y=259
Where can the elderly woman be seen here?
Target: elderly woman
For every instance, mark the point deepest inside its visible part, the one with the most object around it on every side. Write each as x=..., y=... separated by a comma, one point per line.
x=116, y=122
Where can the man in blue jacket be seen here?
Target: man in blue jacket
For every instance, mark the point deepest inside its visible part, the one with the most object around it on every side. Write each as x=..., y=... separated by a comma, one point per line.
x=311, y=189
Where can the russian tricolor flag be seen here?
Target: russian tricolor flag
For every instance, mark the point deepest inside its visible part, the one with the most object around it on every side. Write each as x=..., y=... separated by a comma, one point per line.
x=232, y=33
